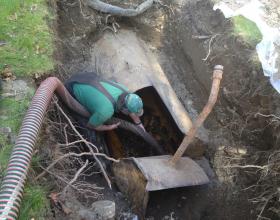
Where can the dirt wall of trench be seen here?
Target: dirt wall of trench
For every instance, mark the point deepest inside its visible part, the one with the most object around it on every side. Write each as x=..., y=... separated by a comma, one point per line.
x=172, y=31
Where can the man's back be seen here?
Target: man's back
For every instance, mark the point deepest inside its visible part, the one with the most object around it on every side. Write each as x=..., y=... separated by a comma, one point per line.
x=96, y=102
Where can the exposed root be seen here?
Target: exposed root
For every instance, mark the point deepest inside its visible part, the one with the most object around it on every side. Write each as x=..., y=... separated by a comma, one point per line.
x=86, y=143
x=75, y=177
x=267, y=116
x=70, y=164
x=87, y=189
x=71, y=155
x=267, y=180
x=209, y=47
x=164, y=5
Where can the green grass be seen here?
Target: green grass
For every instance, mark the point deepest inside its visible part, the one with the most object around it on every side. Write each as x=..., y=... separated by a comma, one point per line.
x=13, y=110
x=11, y=114
x=28, y=49
x=5, y=152
x=28, y=39
x=35, y=203
x=247, y=29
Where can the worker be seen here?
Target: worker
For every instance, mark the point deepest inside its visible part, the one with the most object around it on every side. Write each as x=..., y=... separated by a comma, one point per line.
x=103, y=98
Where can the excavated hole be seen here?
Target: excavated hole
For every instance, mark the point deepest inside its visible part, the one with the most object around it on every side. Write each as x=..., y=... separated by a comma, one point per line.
x=157, y=121
x=170, y=37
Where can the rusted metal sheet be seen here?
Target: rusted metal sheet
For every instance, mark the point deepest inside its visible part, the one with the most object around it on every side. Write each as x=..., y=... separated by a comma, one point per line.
x=136, y=177
x=160, y=174
x=132, y=183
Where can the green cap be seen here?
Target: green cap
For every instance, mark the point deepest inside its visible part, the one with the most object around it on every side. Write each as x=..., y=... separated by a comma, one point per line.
x=134, y=103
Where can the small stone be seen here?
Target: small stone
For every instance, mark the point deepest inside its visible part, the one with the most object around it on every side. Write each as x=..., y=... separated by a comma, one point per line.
x=130, y=216
x=85, y=214
x=12, y=138
x=5, y=130
x=104, y=209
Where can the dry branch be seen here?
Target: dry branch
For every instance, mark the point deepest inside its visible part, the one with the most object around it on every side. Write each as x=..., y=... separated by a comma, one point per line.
x=72, y=154
x=86, y=143
x=75, y=177
x=88, y=189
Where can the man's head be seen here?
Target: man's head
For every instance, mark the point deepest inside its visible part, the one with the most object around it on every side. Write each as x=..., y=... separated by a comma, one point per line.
x=133, y=104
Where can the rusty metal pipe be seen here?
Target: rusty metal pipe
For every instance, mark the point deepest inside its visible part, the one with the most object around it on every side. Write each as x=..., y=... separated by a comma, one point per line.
x=217, y=76
x=12, y=186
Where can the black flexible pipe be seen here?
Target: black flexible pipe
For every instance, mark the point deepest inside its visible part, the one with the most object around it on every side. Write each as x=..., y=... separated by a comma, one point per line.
x=12, y=185
x=139, y=132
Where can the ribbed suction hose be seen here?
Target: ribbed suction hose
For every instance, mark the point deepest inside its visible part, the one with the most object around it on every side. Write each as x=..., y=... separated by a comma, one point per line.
x=12, y=186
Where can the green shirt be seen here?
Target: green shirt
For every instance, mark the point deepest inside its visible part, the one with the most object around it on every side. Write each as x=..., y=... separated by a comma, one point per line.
x=96, y=102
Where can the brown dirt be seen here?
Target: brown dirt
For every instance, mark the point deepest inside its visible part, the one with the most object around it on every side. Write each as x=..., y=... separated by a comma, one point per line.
x=171, y=33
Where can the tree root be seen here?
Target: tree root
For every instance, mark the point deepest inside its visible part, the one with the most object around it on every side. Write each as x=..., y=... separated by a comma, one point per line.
x=118, y=11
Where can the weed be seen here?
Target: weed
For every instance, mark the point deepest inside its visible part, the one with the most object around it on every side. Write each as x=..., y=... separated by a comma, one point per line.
x=35, y=203
x=5, y=152
x=247, y=29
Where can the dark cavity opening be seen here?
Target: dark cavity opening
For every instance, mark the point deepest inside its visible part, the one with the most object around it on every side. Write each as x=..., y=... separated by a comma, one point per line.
x=157, y=121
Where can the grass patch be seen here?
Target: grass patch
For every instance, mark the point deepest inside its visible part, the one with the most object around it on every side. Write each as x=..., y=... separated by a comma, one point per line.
x=26, y=45
x=5, y=152
x=11, y=114
x=35, y=203
x=28, y=40
x=247, y=29
x=13, y=110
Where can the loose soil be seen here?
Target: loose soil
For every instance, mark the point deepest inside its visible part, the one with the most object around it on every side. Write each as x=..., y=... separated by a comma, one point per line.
x=172, y=32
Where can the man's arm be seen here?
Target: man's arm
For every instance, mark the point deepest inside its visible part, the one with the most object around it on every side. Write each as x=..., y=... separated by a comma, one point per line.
x=97, y=120
x=103, y=127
